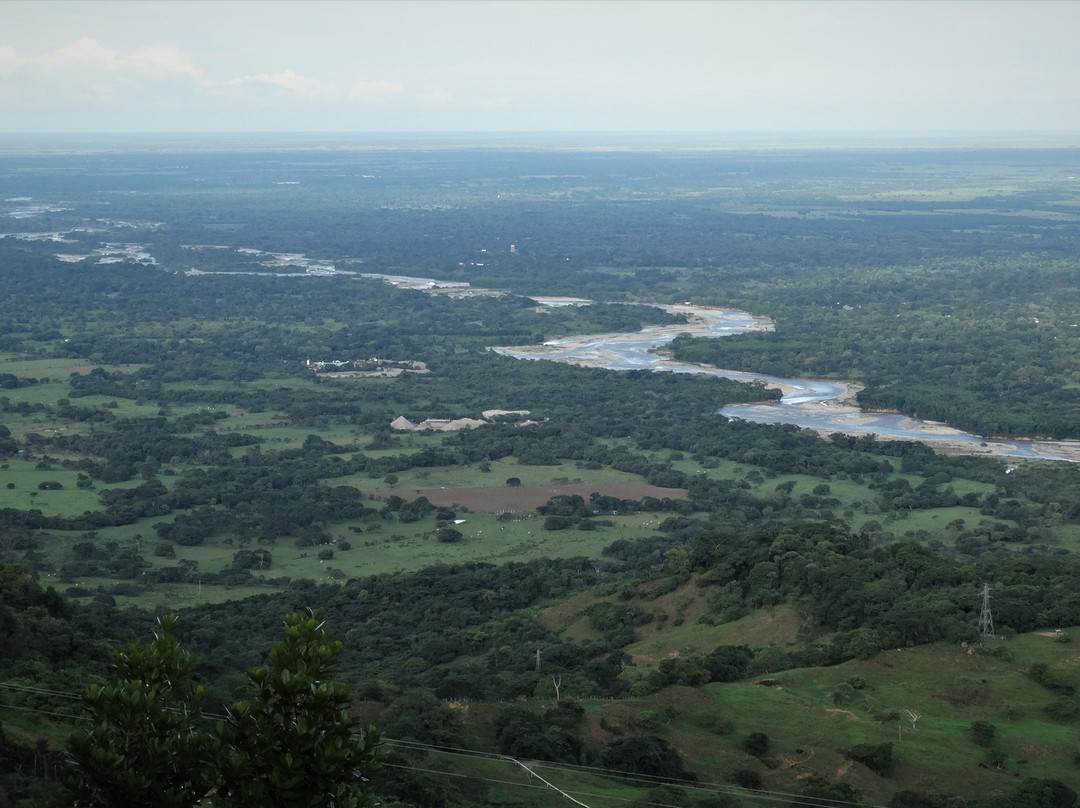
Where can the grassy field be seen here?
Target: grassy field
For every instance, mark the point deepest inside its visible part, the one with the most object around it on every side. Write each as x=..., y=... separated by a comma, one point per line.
x=381, y=546
x=376, y=548
x=809, y=729
x=385, y=546
x=19, y=481
x=922, y=700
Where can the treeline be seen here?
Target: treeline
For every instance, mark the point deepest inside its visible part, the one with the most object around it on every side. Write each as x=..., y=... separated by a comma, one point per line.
x=223, y=322
x=463, y=632
x=989, y=347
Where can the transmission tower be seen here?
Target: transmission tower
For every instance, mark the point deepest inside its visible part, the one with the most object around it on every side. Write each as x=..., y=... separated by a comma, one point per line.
x=986, y=619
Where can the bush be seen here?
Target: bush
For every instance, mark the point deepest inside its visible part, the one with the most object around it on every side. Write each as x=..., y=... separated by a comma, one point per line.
x=878, y=758
x=1034, y=793
x=968, y=690
x=746, y=778
x=1041, y=673
x=756, y=743
x=821, y=788
x=1063, y=710
x=645, y=754
x=982, y=732
x=916, y=799
x=449, y=535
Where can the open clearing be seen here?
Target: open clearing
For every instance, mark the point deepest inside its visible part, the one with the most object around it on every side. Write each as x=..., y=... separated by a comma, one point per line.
x=507, y=499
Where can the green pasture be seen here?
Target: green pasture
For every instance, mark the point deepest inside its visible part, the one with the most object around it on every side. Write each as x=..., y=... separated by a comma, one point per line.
x=166, y=598
x=809, y=727
x=375, y=547
x=277, y=434
x=126, y=407
x=45, y=393
x=799, y=711
x=858, y=502
x=55, y=369
x=668, y=636
x=471, y=476
x=378, y=547
x=19, y=480
x=674, y=628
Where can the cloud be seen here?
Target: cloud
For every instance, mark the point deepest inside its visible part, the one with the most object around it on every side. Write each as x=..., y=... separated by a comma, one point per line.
x=162, y=61
x=87, y=66
x=10, y=60
x=292, y=81
x=86, y=54
x=374, y=90
x=154, y=62
x=436, y=97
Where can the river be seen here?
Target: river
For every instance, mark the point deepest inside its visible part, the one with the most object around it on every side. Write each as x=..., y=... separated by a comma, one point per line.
x=824, y=406
x=821, y=405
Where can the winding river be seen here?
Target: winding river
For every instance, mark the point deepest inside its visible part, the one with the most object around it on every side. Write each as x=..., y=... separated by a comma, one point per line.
x=824, y=406
x=814, y=404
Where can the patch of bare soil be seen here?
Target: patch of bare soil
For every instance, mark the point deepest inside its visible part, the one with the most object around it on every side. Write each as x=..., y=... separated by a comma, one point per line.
x=787, y=762
x=846, y=713
x=1033, y=749
x=525, y=498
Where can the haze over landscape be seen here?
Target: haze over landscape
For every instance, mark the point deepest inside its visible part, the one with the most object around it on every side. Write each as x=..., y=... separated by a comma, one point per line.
x=717, y=67
x=483, y=404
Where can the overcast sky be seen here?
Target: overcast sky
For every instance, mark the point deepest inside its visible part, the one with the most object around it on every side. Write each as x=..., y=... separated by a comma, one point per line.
x=551, y=65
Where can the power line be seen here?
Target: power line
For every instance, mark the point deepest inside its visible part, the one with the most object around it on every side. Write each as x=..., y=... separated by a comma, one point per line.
x=635, y=779
x=631, y=778
x=986, y=619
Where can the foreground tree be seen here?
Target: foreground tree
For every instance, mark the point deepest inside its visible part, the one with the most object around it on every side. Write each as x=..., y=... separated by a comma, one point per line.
x=146, y=745
x=292, y=744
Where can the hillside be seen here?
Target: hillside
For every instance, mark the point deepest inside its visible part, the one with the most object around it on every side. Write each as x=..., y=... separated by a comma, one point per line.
x=603, y=573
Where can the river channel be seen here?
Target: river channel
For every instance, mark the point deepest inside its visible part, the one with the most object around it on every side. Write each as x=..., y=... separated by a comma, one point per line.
x=824, y=406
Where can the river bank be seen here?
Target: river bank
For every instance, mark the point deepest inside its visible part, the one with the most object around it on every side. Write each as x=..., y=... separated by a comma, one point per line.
x=825, y=406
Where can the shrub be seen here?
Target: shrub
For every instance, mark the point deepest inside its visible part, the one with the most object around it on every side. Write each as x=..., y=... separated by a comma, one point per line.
x=746, y=778
x=1063, y=710
x=968, y=690
x=878, y=758
x=645, y=754
x=448, y=535
x=756, y=743
x=1034, y=793
x=982, y=732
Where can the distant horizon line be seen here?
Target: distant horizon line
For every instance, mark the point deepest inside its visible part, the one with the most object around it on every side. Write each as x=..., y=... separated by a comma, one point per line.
x=562, y=139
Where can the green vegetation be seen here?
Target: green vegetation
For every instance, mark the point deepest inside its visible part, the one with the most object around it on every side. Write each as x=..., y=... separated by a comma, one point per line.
x=797, y=615
x=292, y=743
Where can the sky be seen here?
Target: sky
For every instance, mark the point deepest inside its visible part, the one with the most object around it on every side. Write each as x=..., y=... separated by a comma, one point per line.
x=540, y=66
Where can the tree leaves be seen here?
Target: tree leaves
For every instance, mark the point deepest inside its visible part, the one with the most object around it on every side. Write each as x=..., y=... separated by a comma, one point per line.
x=291, y=744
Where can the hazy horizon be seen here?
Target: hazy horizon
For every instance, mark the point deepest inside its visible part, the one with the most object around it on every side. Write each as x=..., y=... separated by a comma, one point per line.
x=778, y=67
x=91, y=142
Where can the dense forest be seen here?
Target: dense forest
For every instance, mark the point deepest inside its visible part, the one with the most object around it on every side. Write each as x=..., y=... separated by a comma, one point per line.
x=201, y=376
